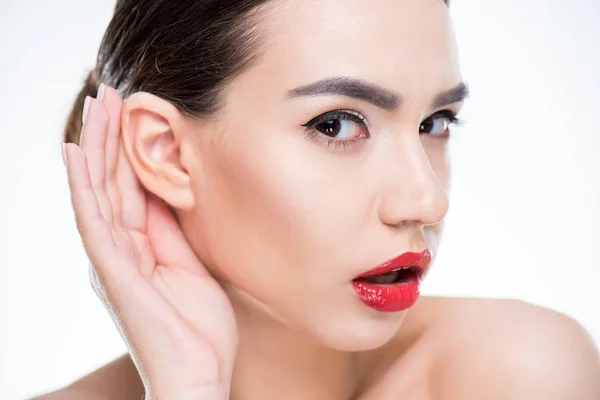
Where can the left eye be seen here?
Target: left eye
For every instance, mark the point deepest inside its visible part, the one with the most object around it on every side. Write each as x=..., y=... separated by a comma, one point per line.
x=438, y=123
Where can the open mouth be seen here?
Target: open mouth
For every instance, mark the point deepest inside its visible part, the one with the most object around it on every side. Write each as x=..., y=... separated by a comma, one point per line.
x=401, y=275
x=394, y=285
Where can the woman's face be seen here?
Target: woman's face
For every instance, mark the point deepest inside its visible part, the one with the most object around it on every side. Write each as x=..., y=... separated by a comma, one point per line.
x=291, y=207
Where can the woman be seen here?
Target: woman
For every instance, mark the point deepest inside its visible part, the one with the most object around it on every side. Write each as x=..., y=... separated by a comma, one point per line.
x=260, y=209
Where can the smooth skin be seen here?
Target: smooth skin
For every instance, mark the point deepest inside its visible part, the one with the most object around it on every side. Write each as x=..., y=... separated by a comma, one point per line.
x=224, y=247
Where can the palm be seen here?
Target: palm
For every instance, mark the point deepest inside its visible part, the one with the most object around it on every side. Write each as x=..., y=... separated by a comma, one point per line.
x=170, y=276
x=173, y=315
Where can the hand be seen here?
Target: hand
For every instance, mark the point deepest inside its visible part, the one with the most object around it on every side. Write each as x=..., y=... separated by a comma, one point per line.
x=175, y=318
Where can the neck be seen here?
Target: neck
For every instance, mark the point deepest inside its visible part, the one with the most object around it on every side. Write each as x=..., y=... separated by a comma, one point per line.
x=274, y=361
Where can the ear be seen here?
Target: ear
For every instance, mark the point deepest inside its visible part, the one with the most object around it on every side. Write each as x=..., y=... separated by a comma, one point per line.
x=152, y=129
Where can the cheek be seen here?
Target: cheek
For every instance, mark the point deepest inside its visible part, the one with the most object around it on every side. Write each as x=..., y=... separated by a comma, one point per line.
x=275, y=212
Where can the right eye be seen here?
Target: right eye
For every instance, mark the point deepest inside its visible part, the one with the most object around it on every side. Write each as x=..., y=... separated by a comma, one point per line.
x=340, y=125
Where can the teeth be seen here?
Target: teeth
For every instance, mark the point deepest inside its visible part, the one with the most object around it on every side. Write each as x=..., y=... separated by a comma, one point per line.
x=388, y=278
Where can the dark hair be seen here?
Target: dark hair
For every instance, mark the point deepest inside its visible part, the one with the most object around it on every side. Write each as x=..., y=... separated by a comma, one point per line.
x=183, y=51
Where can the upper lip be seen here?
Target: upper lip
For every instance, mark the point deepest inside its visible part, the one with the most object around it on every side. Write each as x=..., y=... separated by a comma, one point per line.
x=420, y=261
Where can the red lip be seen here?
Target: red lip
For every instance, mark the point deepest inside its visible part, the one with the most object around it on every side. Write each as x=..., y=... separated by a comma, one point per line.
x=397, y=296
x=420, y=260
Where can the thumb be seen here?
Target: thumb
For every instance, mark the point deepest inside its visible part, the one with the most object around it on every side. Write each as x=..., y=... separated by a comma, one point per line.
x=170, y=246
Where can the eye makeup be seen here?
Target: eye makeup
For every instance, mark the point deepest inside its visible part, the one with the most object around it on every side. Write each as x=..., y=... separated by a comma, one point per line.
x=325, y=128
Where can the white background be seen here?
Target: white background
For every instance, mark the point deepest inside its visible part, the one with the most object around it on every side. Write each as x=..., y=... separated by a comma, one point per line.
x=525, y=202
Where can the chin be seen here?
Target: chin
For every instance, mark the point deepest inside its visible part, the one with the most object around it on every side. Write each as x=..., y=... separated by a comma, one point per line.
x=358, y=332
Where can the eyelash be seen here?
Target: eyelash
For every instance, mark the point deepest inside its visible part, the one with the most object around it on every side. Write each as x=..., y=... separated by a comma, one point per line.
x=342, y=115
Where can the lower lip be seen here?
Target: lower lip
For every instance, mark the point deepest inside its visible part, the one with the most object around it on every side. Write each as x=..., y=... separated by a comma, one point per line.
x=388, y=298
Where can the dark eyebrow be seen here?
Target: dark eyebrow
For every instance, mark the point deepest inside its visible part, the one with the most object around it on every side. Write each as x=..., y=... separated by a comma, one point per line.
x=380, y=97
x=455, y=95
x=351, y=87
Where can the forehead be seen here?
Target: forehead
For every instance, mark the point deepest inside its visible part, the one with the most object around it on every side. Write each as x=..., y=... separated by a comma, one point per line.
x=406, y=45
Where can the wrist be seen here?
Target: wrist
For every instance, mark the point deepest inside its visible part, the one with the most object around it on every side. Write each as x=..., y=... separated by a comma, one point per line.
x=205, y=393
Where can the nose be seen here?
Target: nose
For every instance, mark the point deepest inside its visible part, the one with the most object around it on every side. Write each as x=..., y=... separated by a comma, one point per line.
x=412, y=192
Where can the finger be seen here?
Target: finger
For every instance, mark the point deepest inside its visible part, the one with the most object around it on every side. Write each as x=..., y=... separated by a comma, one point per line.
x=93, y=144
x=133, y=195
x=114, y=104
x=93, y=228
x=128, y=186
x=167, y=239
x=138, y=310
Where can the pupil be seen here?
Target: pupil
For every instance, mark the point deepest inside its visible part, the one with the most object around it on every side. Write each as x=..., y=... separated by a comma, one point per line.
x=331, y=127
x=426, y=125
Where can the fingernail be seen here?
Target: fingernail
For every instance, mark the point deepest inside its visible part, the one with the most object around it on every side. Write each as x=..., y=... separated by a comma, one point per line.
x=63, y=150
x=100, y=94
x=86, y=106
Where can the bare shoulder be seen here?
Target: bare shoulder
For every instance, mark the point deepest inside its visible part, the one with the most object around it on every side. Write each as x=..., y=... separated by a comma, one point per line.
x=117, y=380
x=508, y=349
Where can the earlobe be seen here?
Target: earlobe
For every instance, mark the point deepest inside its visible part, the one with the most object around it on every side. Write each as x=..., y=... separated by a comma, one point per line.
x=151, y=131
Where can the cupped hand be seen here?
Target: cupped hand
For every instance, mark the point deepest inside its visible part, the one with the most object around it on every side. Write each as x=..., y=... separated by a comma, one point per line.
x=175, y=318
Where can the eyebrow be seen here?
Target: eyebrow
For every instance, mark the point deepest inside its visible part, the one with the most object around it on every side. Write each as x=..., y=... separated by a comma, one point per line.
x=455, y=95
x=371, y=93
